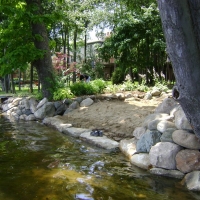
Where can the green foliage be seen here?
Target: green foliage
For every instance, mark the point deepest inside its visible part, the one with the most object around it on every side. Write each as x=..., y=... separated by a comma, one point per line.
x=128, y=86
x=82, y=88
x=99, y=84
x=117, y=76
x=62, y=93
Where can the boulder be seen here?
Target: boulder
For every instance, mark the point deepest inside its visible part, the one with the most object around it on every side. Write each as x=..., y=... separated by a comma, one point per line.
x=16, y=101
x=33, y=104
x=102, y=142
x=147, y=140
x=152, y=125
x=128, y=147
x=74, y=105
x=86, y=102
x=25, y=103
x=42, y=102
x=188, y=160
x=155, y=92
x=61, y=109
x=166, y=106
x=148, y=96
x=186, y=139
x=58, y=122
x=168, y=173
x=167, y=135
x=30, y=117
x=155, y=116
x=163, y=155
x=181, y=121
x=47, y=110
x=138, y=132
x=192, y=181
x=164, y=125
x=141, y=160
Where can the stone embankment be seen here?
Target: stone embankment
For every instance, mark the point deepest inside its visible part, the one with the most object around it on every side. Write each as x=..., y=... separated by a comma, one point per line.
x=165, y=144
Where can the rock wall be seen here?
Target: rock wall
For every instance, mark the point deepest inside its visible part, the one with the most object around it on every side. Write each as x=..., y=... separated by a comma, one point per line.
x=166, y=145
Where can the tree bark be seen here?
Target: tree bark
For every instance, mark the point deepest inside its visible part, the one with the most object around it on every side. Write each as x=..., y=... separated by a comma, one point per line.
x=181, y=25
x=43, y=65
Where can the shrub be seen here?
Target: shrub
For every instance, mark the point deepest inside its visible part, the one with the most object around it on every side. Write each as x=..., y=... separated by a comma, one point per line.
x=62, y=93
x=99, y=84
x=82, y=88
x=117, y=76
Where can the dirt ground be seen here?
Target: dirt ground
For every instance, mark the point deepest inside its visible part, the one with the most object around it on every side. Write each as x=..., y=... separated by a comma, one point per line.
x=117, y=118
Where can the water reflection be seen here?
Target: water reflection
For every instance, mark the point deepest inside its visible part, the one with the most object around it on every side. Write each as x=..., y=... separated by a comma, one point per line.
x=39, y=163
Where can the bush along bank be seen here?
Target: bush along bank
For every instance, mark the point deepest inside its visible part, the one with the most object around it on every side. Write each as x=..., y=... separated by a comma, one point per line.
x=165, y=144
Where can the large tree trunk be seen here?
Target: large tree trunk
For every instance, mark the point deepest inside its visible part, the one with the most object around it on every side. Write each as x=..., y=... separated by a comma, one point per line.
x=180, y=19
x=43, y=65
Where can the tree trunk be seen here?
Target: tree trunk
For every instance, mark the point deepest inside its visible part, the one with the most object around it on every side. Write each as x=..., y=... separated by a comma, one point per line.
x=75, y=49
x=180, y=19
x=43, y=65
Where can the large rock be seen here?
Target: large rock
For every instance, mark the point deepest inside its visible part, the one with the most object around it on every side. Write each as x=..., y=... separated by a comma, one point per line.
x=74, y=105
x=152, y=125
x=47, y=110
x=181, y=121
x=128, y=147
x=86, y=102
x=102, y=142
x=25, y=103
x=61, y=109
x=33, y=104
x=164, y=125
x=188, y=160
x=147, y=140
x=141, y=160
x=57, y=122
x=75, y=132
x=166, y=106
x=166, y=172
x=186, y=139
x=155, y=116
x=138, y=132
x=167, y=135
x=155, y=92
x=42, y=102
x=163, y=155
x=192, y=180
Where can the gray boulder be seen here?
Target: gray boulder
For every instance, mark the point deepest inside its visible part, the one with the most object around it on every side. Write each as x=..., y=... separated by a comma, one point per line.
x=138, y=132
x=74, y=105
x=25, y=103
x=128, y=147
x=33, y=104
x=167, y=135
x=155, y=116
x=141, y=160
x=169, y=173
x=47, y=110
x=186, y=139
x=147, y=140
x=192, y=181
x=61, y=109
x=181, y=121
x=42, y=102
x=163, y=155
x=164, y=125
x=166, y=106
x=86, y=102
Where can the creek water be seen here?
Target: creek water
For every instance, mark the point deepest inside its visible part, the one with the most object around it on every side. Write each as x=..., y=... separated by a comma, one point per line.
x=40, y=163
